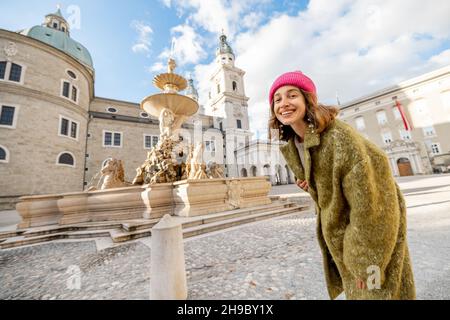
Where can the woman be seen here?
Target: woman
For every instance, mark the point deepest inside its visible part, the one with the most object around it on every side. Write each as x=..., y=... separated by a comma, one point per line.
x=361, y=213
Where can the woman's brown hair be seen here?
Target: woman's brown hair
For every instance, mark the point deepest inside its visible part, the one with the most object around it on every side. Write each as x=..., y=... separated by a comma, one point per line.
x=317, y=114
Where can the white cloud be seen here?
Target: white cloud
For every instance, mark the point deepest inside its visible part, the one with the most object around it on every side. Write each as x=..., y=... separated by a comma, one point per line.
x=143, y=43
x=167, y=3
x=157, y=67
x=252, y=20
x=217, y=15
x=442, y=59
x=347, y=46
x=353, y=47
x=187, y=47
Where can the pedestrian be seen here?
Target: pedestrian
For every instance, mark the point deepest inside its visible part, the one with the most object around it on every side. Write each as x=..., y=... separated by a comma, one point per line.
x=361, y=212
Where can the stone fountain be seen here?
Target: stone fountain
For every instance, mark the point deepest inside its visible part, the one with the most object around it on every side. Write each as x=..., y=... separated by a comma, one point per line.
x=161, y=186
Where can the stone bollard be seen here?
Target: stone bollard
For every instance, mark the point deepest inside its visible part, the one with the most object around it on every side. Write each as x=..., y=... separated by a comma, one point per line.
x=168, y=271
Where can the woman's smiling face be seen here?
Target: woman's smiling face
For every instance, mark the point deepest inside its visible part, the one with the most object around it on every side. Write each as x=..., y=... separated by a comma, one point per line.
x=289, y=105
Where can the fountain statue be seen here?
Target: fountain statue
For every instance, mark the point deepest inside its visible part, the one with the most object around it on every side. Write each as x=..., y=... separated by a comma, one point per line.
x=172, y=109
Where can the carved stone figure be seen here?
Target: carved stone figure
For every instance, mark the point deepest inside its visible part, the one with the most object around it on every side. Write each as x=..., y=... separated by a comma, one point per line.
x=166, y=121
x=113, y=175
x=197, y=169
x=215, y=171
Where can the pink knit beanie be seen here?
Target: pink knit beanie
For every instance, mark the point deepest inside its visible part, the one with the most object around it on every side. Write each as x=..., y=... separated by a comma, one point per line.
x=296, y=79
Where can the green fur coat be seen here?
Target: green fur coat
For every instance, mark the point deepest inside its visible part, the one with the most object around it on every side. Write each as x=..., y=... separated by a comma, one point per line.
x=361, y=213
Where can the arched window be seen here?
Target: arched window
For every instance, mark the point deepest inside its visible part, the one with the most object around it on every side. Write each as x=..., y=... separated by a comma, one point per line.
x=234, y=86
x=66, y=159
x=4, y=154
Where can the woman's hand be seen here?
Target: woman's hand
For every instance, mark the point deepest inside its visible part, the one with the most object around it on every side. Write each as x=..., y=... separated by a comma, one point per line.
x=303, y=184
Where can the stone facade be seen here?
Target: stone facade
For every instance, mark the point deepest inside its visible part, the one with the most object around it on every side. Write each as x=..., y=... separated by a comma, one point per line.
x=263, y=158
x=33, y=142
x=425, y=101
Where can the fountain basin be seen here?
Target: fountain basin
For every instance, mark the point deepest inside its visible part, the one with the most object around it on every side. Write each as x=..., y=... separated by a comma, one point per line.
x=185, y=198
x=178, y=104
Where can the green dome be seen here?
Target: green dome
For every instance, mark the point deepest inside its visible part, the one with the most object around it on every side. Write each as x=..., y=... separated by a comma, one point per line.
x=61, y=41
x=224, y=47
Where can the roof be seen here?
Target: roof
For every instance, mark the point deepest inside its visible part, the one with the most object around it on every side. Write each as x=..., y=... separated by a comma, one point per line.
x=224, y=47
x=60, y=41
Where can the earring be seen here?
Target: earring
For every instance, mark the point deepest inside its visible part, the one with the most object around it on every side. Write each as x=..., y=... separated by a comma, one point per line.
x=311, y=125
x=281, y=131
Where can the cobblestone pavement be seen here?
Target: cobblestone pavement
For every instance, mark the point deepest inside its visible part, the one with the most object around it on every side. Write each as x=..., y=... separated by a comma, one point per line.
x=271, y=259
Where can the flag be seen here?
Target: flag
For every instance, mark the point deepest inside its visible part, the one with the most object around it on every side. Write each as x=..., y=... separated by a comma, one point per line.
x=403, y=115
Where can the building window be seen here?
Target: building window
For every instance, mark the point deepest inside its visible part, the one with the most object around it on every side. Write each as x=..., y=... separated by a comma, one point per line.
x=210, y=146
x=64, y=127
x=111, y=110
x=387, y=137
x=2, y=69
x=144, y=115
x=218, y=88
x=234, y=86
x=436, y=148
x=150, y=141
x=68, y=128
x=16, y=72
x=360, y=124
x=73, y=130
x=71, y=74
x=69, y=91
x=66, y=89
x=429, y=131
x=239, y=124
x=66, y=159
x=112, y=139
x=10, y=71
x=4, y=155
x=405, y=135
x=381, y=116
x=397, y=114
x=7, y=116
x=221, y=126
x=74, y=93
x=55, y=25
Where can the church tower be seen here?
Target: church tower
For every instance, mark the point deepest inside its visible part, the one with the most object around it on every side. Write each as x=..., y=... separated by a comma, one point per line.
x=56, y=21
x=227, y=103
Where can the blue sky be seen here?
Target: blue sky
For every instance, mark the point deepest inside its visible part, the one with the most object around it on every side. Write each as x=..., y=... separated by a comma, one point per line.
x=346, y=46
x=107, y=30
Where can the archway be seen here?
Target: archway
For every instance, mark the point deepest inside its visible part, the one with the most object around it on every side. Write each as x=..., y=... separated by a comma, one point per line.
x=243, y=172
x=288, y=175
x=253, y=171
x=278, y=176
x=404, y=167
